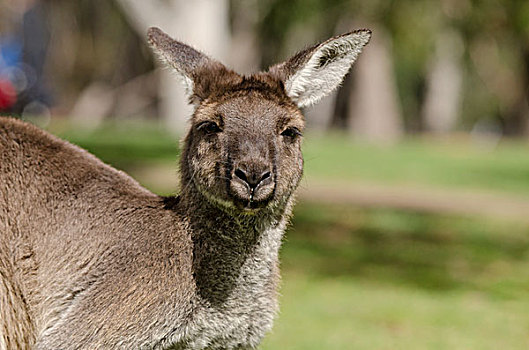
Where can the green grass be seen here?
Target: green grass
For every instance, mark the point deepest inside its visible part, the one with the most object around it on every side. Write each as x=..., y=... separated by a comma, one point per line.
x=427, y=251
x=344, y=313
x=382, y=279
x=458, y=163
x=124, y=144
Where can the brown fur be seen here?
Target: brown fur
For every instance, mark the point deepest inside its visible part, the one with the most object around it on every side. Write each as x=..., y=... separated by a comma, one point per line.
x=91, y=260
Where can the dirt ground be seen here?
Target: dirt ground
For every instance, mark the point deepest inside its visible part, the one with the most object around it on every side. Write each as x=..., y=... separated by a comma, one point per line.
x=432, y=200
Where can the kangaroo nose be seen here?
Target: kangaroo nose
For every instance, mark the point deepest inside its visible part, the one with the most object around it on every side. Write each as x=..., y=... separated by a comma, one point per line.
x=253, y=178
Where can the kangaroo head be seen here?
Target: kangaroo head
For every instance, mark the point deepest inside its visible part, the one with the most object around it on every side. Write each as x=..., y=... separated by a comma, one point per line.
x=243, y=149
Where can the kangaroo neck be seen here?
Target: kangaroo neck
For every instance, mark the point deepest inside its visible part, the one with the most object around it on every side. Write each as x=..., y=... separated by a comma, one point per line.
x=231, y=251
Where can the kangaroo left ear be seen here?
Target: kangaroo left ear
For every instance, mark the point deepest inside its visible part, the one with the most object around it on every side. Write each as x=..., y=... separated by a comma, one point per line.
x=199, y=73
x=313, y=73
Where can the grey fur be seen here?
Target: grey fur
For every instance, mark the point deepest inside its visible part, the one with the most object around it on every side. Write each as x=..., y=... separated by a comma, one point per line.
x=91, y=260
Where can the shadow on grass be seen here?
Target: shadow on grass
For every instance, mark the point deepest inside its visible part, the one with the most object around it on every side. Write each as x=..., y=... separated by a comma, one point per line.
x=423, y=250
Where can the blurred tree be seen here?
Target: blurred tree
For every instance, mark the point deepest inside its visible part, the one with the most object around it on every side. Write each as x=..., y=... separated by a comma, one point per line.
x=496, y=34
x=245, y=50
x=441, y=108
x=374, y=114
x=201, y=23
x=92, y=45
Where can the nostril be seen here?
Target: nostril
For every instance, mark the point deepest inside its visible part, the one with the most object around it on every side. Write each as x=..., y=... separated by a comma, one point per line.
x=241, y=175
x=265, y=176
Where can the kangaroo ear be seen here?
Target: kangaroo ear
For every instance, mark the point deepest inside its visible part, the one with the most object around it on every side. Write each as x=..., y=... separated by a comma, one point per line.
x=197, y=70
x=313, y=73
x=179, y=56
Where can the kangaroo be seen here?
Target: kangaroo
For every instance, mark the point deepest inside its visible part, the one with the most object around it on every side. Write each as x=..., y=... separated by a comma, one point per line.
x=89, y=259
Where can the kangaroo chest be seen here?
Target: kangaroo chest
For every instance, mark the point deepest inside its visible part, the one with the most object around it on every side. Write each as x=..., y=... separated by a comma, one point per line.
x=236, y=309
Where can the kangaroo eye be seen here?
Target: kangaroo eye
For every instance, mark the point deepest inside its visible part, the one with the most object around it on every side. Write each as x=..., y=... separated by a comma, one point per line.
x=291, y=132
x=209, y=127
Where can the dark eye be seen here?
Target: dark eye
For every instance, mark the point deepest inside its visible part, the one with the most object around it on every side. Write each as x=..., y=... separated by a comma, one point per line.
x=209, y=127
x=291, y=132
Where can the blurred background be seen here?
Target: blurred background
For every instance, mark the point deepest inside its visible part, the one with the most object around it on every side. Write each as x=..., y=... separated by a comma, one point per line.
x=412, y=227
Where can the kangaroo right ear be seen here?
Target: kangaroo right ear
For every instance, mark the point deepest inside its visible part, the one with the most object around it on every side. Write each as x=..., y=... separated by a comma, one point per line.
x=191, y=65
x=313, y=73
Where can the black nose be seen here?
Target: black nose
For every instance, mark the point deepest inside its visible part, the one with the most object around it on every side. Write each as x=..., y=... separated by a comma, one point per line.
x=253, y=178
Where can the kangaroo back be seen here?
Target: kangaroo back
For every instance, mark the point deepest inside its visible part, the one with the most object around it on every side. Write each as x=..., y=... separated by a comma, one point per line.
x=54, y=225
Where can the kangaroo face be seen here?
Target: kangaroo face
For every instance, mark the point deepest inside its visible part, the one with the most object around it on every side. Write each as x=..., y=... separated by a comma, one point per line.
x=245, y=149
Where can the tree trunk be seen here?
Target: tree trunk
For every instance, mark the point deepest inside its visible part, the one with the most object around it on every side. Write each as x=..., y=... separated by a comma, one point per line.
x=201, y=23
x=245, y=50
x=375, y=112
x=443, y=85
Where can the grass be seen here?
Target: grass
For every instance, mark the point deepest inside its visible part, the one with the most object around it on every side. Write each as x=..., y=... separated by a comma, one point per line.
x=358, y=278
x=124, y=145
x=382, y=279
x=427, y=251
x=458, y=163
x=344, y=313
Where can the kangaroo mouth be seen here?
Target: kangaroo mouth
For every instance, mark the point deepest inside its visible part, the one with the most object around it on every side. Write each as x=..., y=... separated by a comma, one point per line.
x=250, y=205
x=240, y=201
x=247, y=199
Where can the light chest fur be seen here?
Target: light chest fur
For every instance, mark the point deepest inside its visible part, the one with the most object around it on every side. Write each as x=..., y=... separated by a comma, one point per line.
x=247, y=314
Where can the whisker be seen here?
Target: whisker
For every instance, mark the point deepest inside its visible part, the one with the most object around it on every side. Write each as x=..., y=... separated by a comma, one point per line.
x=190, y=181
